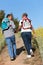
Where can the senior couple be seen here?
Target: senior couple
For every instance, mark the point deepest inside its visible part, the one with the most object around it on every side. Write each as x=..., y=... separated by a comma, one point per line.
x=8, y=28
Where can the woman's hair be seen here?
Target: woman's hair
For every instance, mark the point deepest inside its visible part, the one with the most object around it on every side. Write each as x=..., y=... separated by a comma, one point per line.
x=9, y=15
x=24, y=14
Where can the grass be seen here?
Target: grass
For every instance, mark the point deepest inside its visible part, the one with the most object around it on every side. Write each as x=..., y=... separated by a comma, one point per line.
x=2, y=40
x=40, y=44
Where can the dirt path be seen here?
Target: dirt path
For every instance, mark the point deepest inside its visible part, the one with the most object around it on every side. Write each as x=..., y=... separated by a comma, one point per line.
x=21, y=56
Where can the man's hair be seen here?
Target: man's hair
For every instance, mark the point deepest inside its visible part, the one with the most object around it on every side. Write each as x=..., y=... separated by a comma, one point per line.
x=9, y=15
x=24, y=14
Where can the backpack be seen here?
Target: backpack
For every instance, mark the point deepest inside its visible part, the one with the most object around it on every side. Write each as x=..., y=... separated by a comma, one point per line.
x=5, y=24
x=26, y=24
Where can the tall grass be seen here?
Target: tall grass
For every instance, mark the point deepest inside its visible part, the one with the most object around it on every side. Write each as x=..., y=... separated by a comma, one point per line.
x=40, y=44
x=39, y=34
x=2, y=40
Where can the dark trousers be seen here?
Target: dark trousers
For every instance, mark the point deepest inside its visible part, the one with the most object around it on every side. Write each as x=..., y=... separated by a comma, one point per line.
x=26, y=36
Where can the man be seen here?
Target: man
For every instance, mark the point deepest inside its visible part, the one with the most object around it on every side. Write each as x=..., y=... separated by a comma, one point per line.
x=26, y=29
x=10, y=37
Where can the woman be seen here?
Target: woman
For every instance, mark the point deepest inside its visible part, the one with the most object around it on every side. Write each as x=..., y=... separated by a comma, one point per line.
x=10, y=37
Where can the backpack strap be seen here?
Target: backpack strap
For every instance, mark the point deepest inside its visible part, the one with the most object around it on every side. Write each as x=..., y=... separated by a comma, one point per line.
x=5, y=24
x=28, y=27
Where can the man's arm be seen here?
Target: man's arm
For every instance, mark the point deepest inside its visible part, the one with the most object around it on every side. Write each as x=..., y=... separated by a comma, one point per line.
x=33, y=30
x=34, y=34
x=19, y=28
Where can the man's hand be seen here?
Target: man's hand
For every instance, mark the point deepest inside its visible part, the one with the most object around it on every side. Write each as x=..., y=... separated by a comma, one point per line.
x=34, y=35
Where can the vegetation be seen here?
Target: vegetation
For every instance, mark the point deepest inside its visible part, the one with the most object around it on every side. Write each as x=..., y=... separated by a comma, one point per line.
x=16, y=22
x=2, y=40
x=39, y=34
x=2, y=15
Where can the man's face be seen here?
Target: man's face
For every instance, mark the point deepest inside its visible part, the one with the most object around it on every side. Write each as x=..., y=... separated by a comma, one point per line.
x=24, y=17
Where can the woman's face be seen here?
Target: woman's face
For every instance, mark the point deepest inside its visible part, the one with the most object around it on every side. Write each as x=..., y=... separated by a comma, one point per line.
x=10, y=17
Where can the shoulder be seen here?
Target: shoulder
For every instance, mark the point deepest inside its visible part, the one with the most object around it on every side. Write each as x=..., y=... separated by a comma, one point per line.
x=5, y=20
x=29, y=20
x=20, y=20
x=11, y=22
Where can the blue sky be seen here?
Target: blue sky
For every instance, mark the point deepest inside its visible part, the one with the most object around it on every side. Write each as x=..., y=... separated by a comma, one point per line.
x=34, y=8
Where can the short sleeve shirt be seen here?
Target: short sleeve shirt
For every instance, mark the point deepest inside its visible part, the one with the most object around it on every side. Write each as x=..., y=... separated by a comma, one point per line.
x=24, y=30
x=10, y=31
